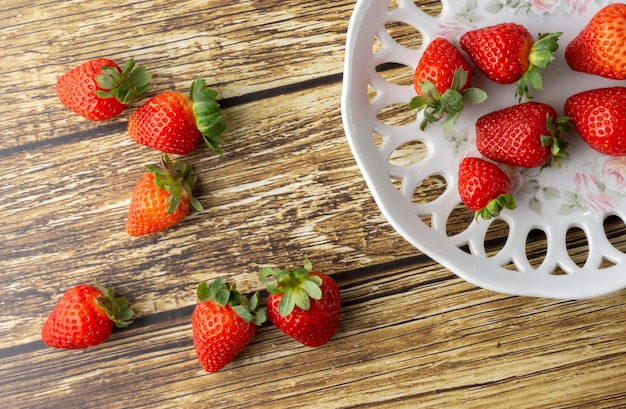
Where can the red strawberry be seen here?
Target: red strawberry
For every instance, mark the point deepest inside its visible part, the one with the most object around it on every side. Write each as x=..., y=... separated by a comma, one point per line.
x=599, y=116
x=600, y=48
x=442, y=80
x=172, y=122
x=484, y=187
x=84, y=316
x=527, y=135
x=303, y=304
x=506, y=53
x=162, y=197
x=99, y=89
x=223, y=323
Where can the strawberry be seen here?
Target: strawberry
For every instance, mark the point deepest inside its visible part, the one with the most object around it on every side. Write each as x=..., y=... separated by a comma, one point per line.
x=162, y=197
x=526, y=135
x=173, y=122
x=84, y=316
x=600, y=47
x=223, y=323
x=99, y=89
x=506, y=53
x=484, y=187
x=599, y=116
x=442, y=80
x=302, y=303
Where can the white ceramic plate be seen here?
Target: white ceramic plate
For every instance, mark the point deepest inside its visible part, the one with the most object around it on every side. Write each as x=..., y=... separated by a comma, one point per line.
x=397, y=159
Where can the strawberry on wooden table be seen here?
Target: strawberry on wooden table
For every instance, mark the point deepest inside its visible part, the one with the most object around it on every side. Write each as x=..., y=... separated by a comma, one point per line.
x=600, y=48
x=526, y=135
x=173, y=122
x=506, y=53
x=223, y=323
x=484, y=187
x=304, y=304
x=599, y=117
x=162, y=197
x=442, y=81
x=99, y=89
x=85, y=316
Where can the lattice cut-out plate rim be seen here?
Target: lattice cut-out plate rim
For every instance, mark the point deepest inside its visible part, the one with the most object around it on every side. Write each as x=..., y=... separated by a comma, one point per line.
x=557, y=199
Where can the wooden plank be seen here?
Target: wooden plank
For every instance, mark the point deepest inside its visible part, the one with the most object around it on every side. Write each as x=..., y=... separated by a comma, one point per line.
x=454, y=344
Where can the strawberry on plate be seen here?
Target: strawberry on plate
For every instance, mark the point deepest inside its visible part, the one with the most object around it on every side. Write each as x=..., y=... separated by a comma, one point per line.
x=99, y=89
x=599, y=117
x=85, y=316
x=223, y=323
x=506, y=53
x=162, y=197
x=600, y=47
x=442, y=81
x=303, y=304
x=484, y=187
x=526, y=135
x=173, y=122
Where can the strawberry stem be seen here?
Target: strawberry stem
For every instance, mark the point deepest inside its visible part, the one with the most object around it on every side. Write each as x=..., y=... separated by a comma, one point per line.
x=495, y=206
x=175, y=177
x=435, y=105
x=556, y=142
x=127, y=86
x=223, y=293
x=115, y=308
x=541, y=55
x=297, y=285
x=208, y=114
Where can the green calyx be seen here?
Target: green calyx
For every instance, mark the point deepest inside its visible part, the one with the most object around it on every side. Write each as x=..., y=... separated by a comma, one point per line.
x=495, y=206
x=127, y=86
x=557, y=145
x=436, y=105
x=222, y=293
x=541, y=55
x=174, y=177
x=115, y=308
x=296, y=285
x=208, y=114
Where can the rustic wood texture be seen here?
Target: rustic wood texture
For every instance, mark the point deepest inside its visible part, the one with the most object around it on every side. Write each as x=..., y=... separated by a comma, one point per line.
x=411, y=333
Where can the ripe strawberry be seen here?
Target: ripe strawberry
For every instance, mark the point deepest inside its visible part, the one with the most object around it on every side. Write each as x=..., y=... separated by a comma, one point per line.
x=600, y=48
x=172, y=122
x=161, y=198
x=484, y=187
x=526, y=134
x=599, y=116
x=442, y=80
x=303, y=304
x=84, y=316
x=223, y=323
x=99, y=89
x=506, y=53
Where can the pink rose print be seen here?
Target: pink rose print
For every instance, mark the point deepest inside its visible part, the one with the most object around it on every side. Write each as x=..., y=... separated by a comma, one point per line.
x=451, y=29
x=577, y=6
x=543, y=6
x=612, y=171
x=587, y=188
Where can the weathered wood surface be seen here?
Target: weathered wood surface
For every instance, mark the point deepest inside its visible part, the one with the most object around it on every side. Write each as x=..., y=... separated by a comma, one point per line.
x=411, y=334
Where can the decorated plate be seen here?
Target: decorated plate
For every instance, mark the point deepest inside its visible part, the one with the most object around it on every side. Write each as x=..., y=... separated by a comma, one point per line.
x=412, y=173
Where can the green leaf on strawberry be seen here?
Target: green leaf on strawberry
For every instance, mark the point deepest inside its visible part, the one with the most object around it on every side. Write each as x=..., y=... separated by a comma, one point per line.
x=541, y=55
x=223, y=293
x=296, y=285
x=208, y=114
x=449, y=104
x=116, y=308
x=127, y=86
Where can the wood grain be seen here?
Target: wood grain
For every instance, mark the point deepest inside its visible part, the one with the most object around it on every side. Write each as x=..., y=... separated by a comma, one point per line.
x=411, y=334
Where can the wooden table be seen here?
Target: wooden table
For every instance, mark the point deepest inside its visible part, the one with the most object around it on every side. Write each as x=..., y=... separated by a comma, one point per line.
x=411, y=333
